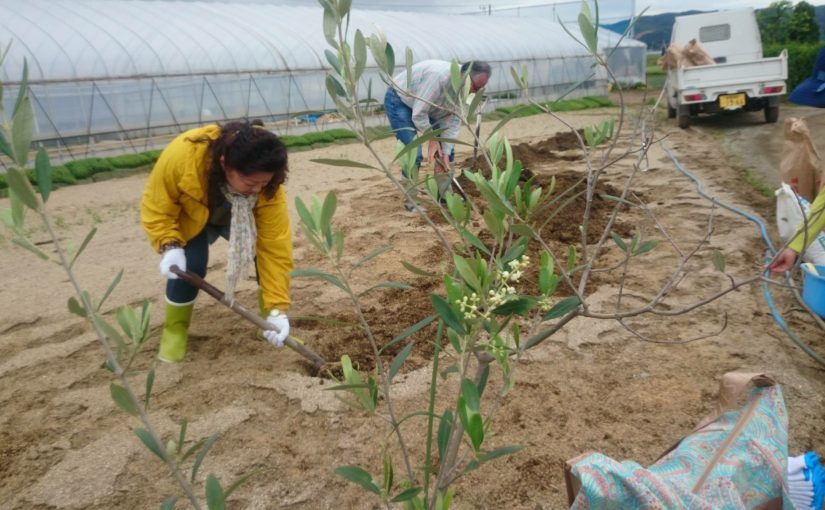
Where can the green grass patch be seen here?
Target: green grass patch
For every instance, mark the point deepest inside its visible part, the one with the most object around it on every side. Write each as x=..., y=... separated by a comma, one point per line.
x=757, y=182
x=656, y=76
x=653, y=67
x=564, y=105
x=656, y=81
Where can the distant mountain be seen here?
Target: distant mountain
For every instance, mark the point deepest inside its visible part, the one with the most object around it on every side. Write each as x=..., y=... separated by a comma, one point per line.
x=655, y=30
x=652, y=30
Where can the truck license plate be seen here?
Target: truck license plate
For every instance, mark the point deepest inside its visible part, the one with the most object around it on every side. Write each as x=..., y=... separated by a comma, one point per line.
x=732, y=101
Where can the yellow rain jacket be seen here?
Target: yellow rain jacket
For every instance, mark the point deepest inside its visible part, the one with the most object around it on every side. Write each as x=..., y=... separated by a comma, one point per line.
x=174, y=208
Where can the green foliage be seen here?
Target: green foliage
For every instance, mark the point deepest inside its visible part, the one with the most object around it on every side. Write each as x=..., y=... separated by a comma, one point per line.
x=340, y=134
x=469, y=413
x=358, y=476
x=215, y=497
x=563, y=105
x=782, y=22
x=803, y=23
x=757, y=181
x=85, y=168
x=295, y=140
x=366, y=393
x=321, y=137
x=598, y=134
x=308, y=139
x=62, y=175
x=59, y=175
x=801, y=58
x=131, y=160
x=598, y=101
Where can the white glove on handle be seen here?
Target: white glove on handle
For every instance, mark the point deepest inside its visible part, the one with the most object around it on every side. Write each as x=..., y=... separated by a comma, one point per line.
x=172, y=257
x=277, y=336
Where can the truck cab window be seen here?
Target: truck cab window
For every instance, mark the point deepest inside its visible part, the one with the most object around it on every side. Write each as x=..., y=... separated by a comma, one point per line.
x=714, y=33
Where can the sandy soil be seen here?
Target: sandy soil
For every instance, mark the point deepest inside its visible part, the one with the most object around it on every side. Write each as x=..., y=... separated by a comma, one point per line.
x=592, y=386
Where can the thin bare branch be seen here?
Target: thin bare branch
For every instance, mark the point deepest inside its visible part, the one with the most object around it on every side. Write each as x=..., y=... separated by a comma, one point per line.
x=645, y=338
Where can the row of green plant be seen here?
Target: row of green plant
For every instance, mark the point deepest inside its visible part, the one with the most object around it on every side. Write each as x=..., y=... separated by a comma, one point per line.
x=563, y=105
x=308, y=139
x=81, y=169
x=801, y=58
x=84, y=169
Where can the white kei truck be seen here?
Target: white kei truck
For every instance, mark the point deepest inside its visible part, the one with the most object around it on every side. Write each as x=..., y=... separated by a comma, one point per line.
x=740, y=80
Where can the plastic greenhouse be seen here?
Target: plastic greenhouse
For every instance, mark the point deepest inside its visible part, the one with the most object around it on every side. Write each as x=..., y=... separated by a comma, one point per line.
x=131, y=69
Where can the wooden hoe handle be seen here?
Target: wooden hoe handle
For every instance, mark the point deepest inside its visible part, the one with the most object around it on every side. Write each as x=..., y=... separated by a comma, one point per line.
x=197, y=281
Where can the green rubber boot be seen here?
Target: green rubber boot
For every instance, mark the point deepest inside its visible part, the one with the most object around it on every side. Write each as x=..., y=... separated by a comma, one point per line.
x=175, y=332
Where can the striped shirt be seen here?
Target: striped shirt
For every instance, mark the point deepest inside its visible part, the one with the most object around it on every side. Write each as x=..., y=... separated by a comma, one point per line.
x=430, y=86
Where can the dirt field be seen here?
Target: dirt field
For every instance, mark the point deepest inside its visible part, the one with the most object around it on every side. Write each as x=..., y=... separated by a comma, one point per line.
x=592, y=386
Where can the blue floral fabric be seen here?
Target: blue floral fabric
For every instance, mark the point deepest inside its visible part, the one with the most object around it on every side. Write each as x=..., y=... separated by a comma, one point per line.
x=751, y=472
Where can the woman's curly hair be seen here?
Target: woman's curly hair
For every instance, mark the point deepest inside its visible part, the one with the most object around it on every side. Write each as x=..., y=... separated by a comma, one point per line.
x=247, y=149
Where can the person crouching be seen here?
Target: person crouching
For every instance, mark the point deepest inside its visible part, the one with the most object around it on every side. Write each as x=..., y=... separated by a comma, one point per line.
x=220, y=181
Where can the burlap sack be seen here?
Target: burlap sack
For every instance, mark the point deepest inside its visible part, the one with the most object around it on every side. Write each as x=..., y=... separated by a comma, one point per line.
x=671, y=58
x=694, y=55
x=801, y=165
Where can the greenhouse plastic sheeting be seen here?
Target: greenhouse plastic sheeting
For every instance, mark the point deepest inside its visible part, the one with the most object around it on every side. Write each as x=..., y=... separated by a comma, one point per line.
x=116, y=67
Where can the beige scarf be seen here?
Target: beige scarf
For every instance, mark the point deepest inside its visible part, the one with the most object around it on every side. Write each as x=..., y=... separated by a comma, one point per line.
x=242, y=235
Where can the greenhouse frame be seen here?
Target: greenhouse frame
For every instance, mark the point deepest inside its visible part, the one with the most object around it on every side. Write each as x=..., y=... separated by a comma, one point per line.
x=134, y=69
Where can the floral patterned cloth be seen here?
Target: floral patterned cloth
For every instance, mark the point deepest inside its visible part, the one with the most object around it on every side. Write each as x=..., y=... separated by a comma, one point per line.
x=242, y=235
x=738, y=461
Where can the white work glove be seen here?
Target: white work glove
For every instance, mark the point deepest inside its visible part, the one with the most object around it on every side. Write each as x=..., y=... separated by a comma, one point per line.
x=172, y=257
x=277, y=336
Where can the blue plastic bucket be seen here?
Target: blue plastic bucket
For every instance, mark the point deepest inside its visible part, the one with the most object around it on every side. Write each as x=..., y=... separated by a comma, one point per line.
x=813, y=289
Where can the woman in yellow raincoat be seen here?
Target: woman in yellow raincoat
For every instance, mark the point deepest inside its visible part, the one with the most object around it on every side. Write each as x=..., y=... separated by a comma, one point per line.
x=220, y=181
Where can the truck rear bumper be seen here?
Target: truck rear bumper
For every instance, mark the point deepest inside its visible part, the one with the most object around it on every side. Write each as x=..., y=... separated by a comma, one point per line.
x=752, y=104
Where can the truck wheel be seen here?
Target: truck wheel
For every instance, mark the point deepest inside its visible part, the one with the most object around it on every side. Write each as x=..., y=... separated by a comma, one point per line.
x=684, y=121
x=771, y=114
x=671, y=112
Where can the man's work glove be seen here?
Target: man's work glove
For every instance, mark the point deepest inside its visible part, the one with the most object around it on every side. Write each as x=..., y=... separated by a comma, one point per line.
x=437, y=156
x=277, y=336
x=172, y=257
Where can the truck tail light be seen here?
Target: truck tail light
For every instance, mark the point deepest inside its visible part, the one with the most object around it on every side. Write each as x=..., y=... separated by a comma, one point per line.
x=776, y=89
x=694, y=97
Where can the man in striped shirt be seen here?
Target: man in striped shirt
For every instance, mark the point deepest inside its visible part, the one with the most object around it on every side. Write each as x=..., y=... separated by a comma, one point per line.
x=429, y=103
